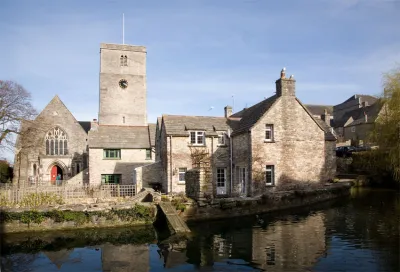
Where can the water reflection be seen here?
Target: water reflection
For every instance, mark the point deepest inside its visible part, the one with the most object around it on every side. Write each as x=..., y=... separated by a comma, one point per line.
x=356, y=234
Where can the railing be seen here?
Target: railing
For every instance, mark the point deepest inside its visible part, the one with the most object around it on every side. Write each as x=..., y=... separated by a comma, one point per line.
x=13, y=194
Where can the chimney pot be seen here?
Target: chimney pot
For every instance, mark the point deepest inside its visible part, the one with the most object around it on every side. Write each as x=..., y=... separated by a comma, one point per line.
x=283, y=73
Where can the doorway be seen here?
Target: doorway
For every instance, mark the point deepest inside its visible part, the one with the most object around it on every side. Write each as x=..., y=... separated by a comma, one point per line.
x=242, y=180
x=55, y=170
x=221, y=181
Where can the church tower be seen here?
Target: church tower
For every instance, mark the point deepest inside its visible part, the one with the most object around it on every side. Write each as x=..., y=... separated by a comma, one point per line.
x=122, y=85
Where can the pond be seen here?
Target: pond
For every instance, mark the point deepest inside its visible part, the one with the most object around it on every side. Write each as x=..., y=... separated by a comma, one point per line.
x=358, y=233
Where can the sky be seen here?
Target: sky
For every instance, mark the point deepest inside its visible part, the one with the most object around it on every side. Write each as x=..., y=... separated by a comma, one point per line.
x=201, y=54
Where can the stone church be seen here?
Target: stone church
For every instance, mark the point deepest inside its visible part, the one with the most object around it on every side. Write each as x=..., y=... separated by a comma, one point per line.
x=55, y=147
x=273, y=141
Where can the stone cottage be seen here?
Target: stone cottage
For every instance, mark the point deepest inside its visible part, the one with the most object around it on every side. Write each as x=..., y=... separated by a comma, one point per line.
x=354, y=126
x=274, y=141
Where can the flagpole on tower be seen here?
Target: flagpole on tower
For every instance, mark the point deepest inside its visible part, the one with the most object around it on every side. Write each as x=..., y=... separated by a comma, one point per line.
x=123, y=29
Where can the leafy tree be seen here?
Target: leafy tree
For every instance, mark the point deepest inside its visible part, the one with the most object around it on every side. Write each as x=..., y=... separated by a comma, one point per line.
x=386, y=133
x=15, y=106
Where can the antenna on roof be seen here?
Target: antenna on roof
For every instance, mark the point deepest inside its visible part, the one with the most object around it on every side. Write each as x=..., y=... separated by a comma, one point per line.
x=123, y=29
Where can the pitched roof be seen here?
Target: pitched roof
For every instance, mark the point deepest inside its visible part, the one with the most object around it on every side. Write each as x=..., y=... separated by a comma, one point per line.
x=152, y=134
x=319, y=109
x=364, y=98
x=179, y=125
x=251, y=115
x=85, y=125
x=371, y=111
x=358, y=115
x=106, y=136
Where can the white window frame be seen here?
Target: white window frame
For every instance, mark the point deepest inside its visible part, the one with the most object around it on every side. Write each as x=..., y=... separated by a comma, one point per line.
x=221, y=139
x=197, y=134
x=182, y=170
x=221, y=180
x=269, y=128
x=270, y=169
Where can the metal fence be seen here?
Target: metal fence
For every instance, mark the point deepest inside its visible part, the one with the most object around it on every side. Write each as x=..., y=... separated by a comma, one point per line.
x=13, y=194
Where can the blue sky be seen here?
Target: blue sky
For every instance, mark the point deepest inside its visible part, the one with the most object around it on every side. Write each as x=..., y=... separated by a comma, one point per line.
x=201, y=52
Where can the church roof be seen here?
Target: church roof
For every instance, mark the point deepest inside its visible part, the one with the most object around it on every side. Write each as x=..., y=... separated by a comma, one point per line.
x=152, y=132
x=85, y=125
x=107, y=136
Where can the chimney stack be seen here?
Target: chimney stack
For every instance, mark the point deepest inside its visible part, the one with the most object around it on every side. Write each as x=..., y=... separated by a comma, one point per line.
x=94, y=124
x=364, y=104
x=285, y=86
x=326, y=117
x=228, y=111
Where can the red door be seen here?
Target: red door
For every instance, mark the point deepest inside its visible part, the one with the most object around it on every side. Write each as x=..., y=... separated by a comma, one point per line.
x=53, y=174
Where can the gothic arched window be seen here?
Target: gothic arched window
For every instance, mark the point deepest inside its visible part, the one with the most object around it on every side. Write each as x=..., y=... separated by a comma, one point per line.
x=56, y=142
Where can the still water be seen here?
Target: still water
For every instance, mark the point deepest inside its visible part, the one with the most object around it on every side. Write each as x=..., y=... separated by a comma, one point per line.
x=359, y=233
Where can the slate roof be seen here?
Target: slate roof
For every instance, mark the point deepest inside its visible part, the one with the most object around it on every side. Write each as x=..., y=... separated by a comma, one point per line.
x=178, y=125
x=319, y=109
x=85, y=125
x=107, y=136
x=358, y=115
x=239, y=122
x=250, y=116
x=364, y=98
x=152, y=134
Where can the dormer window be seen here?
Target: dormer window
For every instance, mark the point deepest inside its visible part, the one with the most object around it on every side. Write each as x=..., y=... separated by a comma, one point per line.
x=269, y=133
x=221, y=138
x=197, y=138
x=123, y=60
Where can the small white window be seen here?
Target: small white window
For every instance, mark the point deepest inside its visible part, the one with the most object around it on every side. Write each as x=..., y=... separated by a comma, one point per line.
x=221, y=138
x=353, y=129
x=269, y=133
x=182, y=173
x=270, y=175
x=197, y=138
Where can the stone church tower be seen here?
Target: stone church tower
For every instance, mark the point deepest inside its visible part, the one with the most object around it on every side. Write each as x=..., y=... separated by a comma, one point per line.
x=122, y=85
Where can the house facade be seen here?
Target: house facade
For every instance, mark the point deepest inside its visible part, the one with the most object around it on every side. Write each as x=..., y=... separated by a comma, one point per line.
x=277, y=140
x=354, y=119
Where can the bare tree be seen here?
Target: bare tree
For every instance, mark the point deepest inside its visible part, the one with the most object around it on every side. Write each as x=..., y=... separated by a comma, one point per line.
x=15, y=106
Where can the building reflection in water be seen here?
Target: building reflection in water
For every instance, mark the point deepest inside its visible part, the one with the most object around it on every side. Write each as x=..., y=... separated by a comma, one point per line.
x=289, y=245
x=118, y=258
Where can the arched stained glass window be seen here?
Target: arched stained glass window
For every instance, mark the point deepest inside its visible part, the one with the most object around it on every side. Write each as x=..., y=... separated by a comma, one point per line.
x=56, y=142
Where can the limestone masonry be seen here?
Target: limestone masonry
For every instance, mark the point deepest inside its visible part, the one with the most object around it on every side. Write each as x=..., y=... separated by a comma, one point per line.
x=243, y=153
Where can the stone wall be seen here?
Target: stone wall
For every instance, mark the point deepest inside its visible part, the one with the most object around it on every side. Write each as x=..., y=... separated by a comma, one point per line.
x=177, y=153
x=298, y=148
x=120, y=106
x=130, y=159
x=360, y=135
x=197, y=187
x=219, y=208
x=107, y=214
x=31, y=148
x=147, y=175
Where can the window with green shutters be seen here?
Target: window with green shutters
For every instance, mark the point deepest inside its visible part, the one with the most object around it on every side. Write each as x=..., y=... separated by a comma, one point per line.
x=111, y=179
x=112, y=154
